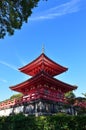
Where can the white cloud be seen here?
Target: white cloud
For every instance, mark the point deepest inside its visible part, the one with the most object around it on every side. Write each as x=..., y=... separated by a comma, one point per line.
x=20, y=59
x=63, y=9
x=3, y=80
x=8, y=65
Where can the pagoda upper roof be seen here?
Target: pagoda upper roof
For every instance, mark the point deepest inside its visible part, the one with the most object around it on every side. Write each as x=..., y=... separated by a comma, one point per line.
x=43, y=63
x=43, y=78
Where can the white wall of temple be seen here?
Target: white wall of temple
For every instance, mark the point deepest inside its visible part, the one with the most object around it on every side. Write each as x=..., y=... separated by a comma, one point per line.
x=7, y=112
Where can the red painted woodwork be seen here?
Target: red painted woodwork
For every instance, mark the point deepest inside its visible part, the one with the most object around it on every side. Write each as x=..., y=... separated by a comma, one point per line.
x=43, y=63
x=42, y=79
x=42, y=85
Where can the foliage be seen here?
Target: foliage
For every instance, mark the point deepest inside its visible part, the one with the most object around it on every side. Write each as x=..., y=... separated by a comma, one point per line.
x=13, y=13
x=55, y=122
x=70, y=95
x=81, y=111
x=16, y=96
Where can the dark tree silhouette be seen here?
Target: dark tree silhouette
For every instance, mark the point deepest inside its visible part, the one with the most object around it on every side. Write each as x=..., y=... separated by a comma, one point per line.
x=13, y=13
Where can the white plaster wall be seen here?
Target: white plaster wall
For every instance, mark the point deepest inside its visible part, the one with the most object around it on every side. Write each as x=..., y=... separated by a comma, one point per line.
x=7, y=112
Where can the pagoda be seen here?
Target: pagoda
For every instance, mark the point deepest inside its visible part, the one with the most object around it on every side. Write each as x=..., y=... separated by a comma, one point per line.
x=43, y=93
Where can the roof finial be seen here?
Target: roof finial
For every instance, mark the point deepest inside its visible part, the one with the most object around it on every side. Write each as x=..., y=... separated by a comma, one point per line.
x=43, y=48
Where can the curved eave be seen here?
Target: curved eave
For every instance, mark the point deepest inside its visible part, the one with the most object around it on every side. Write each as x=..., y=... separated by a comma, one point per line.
x=18, y=86
x=21, y=86
x=65, y=86
x=36, y=65
x=62, y=85
x=42, y=77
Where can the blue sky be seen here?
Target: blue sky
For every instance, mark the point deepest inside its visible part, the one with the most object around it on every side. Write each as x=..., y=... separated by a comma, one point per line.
x=59, y=25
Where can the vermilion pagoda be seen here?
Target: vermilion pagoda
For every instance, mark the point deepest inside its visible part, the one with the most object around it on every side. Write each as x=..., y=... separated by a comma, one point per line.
x=42, y=92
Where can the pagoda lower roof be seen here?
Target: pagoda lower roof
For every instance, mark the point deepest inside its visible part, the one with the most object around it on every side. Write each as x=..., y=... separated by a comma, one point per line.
x=43, y=78
x=43, y=63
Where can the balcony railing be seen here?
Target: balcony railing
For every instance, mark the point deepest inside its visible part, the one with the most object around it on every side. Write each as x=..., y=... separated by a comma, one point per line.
x=32, y=96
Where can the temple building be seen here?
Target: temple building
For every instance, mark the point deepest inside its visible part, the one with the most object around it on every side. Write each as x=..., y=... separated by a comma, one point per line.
x=42, y=93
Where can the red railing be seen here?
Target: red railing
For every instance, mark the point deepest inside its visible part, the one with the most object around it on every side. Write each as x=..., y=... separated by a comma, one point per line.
x=32, y=96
